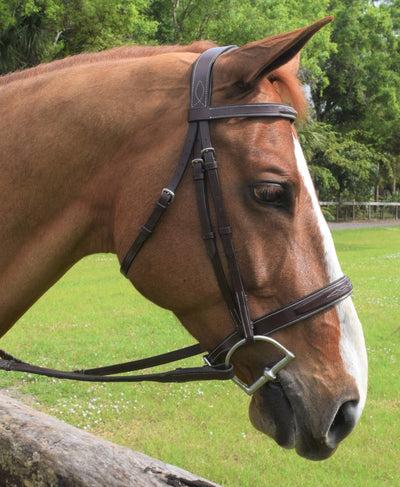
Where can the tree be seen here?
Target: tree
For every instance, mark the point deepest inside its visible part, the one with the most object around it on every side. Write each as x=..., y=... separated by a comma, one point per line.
x=94, y=25
x=238, y=22
x=24, y=38
x=34, y=31
x=363, y=90
x=357, y=169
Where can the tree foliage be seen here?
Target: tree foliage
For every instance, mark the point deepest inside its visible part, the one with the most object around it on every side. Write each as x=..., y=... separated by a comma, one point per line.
x=350, y=68
x=345, y=169
x=363, y=92
x=238, y=22
x=34, y=31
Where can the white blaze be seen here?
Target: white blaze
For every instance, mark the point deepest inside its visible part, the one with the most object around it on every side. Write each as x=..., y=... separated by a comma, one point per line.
x=352, y=345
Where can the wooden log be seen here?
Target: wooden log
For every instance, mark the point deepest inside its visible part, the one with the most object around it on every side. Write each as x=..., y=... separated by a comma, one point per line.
x=37, y=450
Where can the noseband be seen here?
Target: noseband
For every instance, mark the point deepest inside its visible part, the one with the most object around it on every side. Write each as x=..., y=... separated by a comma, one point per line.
x=199, y=150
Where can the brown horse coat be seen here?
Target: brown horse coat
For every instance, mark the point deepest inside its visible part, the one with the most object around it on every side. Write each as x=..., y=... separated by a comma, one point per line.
x=86, y=146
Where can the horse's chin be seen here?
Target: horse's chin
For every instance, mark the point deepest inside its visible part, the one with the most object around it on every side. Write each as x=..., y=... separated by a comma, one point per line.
x=271, y=412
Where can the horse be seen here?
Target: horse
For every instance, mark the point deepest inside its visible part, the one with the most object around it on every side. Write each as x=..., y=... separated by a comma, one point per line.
x=87, y=144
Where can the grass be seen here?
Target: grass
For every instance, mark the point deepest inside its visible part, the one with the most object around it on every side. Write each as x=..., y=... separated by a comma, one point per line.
x=94, y=317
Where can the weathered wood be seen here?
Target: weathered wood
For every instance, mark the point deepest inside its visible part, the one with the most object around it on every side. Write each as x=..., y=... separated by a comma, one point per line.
x=37, y=450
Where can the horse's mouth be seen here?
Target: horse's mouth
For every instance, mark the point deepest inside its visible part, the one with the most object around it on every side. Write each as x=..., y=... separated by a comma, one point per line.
x=275, y=413
x=271, y=413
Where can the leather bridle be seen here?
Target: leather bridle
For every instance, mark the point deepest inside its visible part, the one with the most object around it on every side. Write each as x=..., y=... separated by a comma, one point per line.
x=199, y=150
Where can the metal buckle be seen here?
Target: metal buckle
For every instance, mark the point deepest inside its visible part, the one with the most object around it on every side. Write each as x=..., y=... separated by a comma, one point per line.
x=170, y=193
x=269, y=373
x=197, y=160
x=207, y=149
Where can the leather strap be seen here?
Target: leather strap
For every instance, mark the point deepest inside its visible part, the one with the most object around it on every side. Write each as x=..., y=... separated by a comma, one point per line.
x=200, y=95
x=290, y=314
x=243, y=324
x=209, y=236
x=245, y=110
x=105, y=374
x=201, y=80
x=167, y=196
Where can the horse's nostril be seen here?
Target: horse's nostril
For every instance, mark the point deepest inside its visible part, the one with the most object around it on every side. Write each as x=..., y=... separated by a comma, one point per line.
x=343, y=423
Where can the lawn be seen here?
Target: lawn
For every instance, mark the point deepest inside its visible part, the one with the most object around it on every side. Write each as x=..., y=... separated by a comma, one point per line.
x=94, y=317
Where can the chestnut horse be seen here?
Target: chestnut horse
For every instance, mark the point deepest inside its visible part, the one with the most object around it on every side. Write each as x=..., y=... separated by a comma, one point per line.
x=87, y=144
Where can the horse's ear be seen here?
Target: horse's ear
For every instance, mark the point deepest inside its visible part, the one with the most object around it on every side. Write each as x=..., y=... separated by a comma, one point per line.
x=246, y=65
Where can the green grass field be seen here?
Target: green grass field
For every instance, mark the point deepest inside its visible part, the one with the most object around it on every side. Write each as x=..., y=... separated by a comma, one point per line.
x=94, y=317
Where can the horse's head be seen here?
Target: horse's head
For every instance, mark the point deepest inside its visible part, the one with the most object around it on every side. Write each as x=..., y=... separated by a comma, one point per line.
x=284, y=250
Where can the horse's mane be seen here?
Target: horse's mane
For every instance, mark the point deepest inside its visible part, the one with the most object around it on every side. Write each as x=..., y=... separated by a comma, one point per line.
x=110, y=55
x=285, y=83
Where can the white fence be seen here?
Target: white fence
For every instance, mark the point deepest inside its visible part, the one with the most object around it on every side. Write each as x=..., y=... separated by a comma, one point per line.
x=361, y=210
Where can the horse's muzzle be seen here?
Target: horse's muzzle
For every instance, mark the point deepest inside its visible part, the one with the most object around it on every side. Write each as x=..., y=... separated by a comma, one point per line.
x=315, y=432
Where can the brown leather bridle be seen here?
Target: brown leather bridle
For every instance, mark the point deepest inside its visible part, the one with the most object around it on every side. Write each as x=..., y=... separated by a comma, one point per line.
x=199, y=150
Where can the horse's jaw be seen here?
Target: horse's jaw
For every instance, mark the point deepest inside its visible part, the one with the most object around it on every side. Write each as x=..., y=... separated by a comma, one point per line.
x=279, y=411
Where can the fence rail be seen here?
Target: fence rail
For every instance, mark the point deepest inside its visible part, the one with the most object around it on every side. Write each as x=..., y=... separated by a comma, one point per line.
x=49, y=452
x=353, y=210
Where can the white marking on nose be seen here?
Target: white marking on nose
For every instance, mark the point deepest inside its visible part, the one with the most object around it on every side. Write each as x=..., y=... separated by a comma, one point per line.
x=352, y=344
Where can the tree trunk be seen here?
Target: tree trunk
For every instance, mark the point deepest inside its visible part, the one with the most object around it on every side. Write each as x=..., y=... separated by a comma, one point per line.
x=37, y=450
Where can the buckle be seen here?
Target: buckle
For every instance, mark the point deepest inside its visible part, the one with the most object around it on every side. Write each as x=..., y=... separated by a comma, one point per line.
x=170, y=193
x=197, y=160
x=207, y=149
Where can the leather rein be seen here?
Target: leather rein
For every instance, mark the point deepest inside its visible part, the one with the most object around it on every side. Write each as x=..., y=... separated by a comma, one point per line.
x=198, y=149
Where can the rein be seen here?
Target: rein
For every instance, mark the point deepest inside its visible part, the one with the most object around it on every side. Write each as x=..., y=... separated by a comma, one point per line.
x=206, y=182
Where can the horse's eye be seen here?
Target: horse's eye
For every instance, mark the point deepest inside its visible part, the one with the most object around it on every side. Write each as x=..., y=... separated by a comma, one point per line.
x=269, y=193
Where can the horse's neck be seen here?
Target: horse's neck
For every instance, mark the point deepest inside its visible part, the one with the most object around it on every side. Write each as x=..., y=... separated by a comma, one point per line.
x=53, y=143
x=64, y=158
